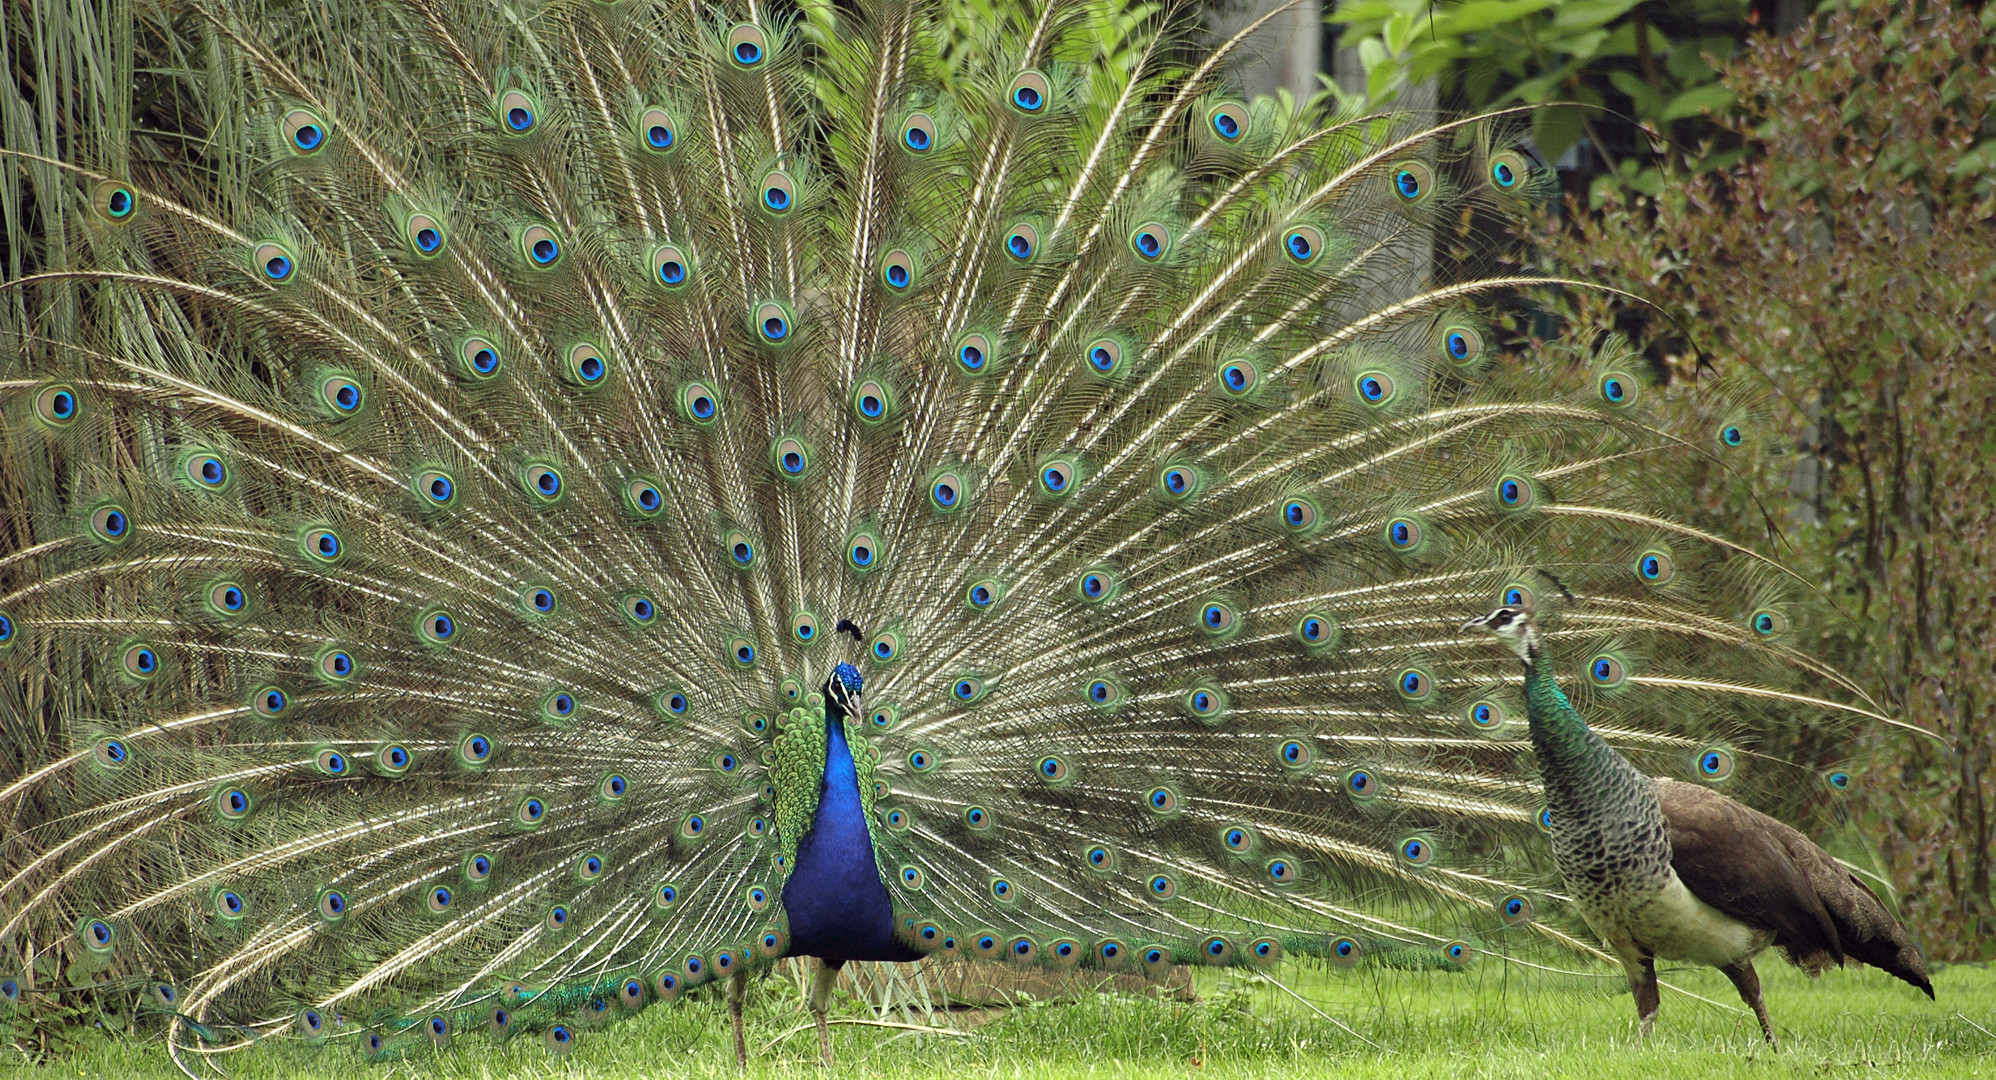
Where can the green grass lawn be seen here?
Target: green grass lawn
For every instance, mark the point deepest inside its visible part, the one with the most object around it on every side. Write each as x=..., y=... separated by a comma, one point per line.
x=1493, y=1021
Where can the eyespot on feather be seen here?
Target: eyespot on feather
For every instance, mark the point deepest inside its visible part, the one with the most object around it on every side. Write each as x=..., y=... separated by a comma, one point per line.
x=747, y=47
x=305, y=132
x=656, y=131
x=918, y=133
x=1228, y=122
x=1029, y=93
x=114, y=201
x=540, y=247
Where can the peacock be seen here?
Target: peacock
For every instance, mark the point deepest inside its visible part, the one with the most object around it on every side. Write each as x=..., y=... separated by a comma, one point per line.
x=1664, y=869
x=516, y=510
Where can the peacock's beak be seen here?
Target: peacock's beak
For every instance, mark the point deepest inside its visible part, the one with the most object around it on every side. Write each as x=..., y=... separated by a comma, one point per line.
x=1478, y=623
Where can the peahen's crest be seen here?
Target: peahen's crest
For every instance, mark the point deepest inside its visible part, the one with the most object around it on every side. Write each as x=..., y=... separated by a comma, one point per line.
x=438, y=449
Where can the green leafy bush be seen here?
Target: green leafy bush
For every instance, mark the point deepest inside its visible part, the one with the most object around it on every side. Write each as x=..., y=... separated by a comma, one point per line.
x=1848, y=259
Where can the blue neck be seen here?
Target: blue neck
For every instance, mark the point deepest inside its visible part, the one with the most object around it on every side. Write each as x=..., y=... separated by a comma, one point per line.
x=838, y=908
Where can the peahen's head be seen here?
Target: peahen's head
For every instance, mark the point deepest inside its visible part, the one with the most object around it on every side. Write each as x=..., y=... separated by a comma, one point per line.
x=1513, y=626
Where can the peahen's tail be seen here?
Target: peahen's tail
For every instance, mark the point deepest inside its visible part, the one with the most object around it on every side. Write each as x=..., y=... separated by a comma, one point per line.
x=440, y=438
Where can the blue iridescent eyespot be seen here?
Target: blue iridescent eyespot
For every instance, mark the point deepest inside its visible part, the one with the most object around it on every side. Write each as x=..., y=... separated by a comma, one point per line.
x=1618, y=389
x=111, y=753
x=1403, y=534
x=304, y=131
x=1656, y=567
x=1150, y=241
x=425, y=232
x=1294, y=753
x=747, y=45
x=1360, y=784
x=1416, y=851
x=1238, y=377
x=1507, y=170
x=897, y=269
x=1462, y=344
x=1022, y=241
x=480, y=357
x=1514, y=909
x=921, y=760
x=207, y=471
x=1837, y=778
x=542, y=246
x=1052, y=769
x=944, y=492
x=517, y=110
x=972, y=352
x=1605, y=671
x=1161, y=800
x=57, y=406
x=1413, y=182
x=141, y=662
x=473, y=749
x=1104, y=356
x=779, y=194
x=1376, y=387
x=773, y=322
x=1281, y=871
x=1486, y=715
x=862, y=552
x=918, y=133
x=543, y=482
x=1228, y=120
x=1715, y=763
x=1095, y=585
x=1768, y=622
x=657, y=130
x=1304, y=243
x=1029, y=92
x=1731, y=435
x=111, y=524
x=1514, y=492
x=437, y=627
x=1056, y=478
x=274, y=262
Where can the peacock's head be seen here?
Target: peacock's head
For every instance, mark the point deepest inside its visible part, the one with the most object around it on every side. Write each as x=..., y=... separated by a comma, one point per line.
x=842, y=689
x=1513, y=626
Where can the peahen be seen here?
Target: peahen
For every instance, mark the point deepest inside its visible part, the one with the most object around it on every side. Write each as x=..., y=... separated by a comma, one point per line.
x=513, y=511
x=1662, y=869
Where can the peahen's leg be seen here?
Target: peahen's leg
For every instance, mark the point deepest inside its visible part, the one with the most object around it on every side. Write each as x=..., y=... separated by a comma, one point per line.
x=1642, y=982
x=822, y=982
x=1747, y=981
x=737, y=993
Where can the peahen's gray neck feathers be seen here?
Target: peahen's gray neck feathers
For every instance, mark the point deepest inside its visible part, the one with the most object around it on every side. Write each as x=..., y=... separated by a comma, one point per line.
x=1607, y=829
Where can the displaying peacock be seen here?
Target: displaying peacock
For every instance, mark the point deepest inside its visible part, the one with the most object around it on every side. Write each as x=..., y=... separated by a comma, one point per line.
x=1664, y=869
x=513, y=511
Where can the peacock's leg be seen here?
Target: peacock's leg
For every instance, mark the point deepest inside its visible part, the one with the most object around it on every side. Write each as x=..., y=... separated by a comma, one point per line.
x=1747, y=981
x=737, y=994
x=1642, y=982
x=821, y=999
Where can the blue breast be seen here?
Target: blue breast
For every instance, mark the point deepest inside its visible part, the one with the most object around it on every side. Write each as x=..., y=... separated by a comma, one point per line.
x=838, y=908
